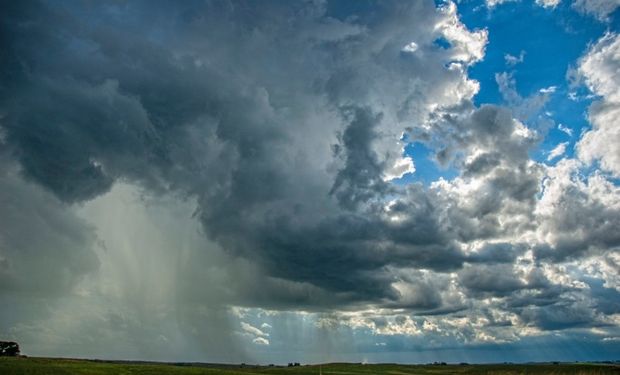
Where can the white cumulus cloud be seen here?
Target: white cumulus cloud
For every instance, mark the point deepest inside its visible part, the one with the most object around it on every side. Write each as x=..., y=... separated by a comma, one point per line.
x=599, y=69
x=559, y=150
x=601, y=9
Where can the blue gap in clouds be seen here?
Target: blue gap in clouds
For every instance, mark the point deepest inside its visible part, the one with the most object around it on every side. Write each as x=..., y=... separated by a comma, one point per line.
x=553, y=40
x=426, y=169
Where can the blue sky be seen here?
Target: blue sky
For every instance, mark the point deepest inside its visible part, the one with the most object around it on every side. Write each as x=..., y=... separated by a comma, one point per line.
x=545, y=44
x=260, y=182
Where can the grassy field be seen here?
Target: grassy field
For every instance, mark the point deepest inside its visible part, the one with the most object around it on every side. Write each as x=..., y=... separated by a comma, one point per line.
x=48, y=366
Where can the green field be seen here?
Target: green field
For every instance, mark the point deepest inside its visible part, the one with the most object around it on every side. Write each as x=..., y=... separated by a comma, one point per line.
x=49, y=366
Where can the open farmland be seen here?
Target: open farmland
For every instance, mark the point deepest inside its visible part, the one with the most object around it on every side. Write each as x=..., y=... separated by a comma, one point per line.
x=49, y=366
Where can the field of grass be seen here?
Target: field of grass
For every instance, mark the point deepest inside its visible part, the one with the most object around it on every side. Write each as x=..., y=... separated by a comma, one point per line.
x=49, y=366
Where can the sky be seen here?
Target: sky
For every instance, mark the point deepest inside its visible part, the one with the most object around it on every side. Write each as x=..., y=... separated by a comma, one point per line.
x=311, y=181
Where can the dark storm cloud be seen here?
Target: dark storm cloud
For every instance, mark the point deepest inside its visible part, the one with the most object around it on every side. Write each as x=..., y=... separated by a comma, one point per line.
x=559, y=316
x=87, y=101
x=347, y=253
x=607, y=300
x=360, y=179
x=495, y=280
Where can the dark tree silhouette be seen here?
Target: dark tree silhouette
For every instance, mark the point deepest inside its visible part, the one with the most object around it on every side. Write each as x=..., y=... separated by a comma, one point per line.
x=9, y=348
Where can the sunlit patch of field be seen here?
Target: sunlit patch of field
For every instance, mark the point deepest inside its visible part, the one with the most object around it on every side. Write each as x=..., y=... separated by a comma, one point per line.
x=49, y=366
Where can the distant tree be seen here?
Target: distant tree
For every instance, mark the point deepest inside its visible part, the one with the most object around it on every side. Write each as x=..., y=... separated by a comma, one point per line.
x=9, y=349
